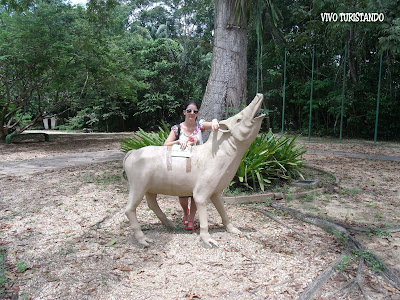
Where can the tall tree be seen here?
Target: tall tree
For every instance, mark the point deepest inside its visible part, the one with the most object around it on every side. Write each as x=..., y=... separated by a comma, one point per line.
x=38, y=60
x=227, y=84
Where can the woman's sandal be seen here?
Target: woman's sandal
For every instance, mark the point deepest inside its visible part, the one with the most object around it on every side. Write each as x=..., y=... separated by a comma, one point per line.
x=185, y=216
x=190, y=225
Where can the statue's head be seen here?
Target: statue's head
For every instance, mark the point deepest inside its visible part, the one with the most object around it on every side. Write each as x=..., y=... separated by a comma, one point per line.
x=245, y=125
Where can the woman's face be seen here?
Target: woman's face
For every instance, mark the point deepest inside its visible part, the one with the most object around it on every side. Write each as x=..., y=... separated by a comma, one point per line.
x=191, y=112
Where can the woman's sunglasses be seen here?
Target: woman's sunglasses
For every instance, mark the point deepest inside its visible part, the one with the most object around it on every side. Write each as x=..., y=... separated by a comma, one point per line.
x=195, y=111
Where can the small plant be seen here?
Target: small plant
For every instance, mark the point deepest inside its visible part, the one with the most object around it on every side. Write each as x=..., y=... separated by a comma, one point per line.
x=307, y=198
x=344, y=263
x=21, y=267
x=375, y=265
x=342, y=238
x=66, y=251
x=327, y=179
x=378, y=216
x=378, y=232
x=289, y=197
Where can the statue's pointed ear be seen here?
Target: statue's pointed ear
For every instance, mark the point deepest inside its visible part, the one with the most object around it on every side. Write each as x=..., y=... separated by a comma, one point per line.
x=223, y=127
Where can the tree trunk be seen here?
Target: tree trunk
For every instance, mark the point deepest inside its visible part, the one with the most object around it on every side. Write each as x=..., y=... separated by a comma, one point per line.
x=227, y=83
x=350, y=58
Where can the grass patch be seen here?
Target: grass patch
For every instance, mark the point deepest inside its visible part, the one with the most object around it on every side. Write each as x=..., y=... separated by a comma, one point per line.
x=21, y=267
x=307, y=198
x=104, y=179
x=378, y=232
x=3, y=278
x=349, y=192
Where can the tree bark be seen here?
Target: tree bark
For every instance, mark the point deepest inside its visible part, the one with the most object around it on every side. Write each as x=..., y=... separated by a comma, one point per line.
x=227, y=83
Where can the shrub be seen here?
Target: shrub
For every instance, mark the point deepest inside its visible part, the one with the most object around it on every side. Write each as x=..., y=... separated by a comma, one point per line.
x=269, y=158
x=143, y=139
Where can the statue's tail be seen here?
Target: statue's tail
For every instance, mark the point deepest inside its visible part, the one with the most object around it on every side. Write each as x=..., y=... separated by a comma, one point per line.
x=125, y=157
x=123, y=164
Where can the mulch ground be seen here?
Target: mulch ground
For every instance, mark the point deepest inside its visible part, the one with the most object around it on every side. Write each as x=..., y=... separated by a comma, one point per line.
x=64, y=234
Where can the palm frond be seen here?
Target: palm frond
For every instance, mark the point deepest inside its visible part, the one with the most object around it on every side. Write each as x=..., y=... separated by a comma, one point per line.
x=142, y=139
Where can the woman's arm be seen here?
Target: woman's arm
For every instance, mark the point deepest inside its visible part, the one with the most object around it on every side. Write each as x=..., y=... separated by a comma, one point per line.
x=171, y=140
x=213, y=125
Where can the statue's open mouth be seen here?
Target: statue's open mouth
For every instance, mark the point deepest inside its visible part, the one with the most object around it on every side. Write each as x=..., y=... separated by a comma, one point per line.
x=260, y=115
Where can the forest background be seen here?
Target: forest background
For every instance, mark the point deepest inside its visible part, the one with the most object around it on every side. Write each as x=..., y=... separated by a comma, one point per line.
x=120, y=65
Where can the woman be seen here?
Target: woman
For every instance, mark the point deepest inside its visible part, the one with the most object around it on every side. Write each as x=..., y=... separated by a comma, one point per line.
x=184, y=134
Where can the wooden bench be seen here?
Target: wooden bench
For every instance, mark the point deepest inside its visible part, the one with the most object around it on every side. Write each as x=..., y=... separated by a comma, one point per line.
x=12, y=135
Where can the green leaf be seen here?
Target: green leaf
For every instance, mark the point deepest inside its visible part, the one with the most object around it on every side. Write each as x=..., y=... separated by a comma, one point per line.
x=111, y=243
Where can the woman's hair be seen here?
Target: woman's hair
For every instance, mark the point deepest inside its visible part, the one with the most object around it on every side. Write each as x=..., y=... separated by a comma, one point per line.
x=190, y=102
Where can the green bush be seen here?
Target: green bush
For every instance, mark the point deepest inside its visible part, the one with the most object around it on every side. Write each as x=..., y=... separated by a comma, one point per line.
x=269, y=158
x=142, y=139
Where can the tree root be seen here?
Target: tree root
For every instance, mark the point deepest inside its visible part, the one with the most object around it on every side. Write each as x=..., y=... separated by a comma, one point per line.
x=385, y=230
x=322, y=278
x=352, y=245
x=267, y=214
x=353, y=283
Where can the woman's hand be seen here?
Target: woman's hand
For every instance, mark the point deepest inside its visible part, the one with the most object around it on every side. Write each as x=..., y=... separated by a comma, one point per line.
x=183, y=145
x=214, y=125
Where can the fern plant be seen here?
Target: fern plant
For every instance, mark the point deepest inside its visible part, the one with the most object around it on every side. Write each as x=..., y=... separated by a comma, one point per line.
x=143, y=139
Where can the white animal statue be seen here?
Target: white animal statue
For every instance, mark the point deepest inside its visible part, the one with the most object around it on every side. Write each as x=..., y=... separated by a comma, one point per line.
x=151, y=170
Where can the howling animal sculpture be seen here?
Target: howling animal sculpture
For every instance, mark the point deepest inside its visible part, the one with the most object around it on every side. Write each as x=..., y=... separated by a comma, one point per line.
x=151, y=170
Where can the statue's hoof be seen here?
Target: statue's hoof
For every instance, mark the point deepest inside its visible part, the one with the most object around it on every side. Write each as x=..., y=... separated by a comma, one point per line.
x=209, y=243
x=145, y=241
x=231, y=229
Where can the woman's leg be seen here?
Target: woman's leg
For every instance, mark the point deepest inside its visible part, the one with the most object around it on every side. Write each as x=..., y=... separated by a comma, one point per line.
x=193, y=210
x=185, y=206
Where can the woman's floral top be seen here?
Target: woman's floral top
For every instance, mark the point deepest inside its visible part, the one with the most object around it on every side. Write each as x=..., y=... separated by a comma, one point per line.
x=195, y=138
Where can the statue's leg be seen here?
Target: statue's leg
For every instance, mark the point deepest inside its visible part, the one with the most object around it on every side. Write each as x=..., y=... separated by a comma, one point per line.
x=201, y=203
x=219, y=205
x=153, y=205
x=134, y=200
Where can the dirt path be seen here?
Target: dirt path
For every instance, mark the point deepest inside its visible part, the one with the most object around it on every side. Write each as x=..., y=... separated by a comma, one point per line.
x=54, y=160
x=32, y=166
x=355, y=155
x=64, y=233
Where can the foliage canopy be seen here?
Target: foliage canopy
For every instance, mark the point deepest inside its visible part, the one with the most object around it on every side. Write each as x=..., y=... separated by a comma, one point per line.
x=115, y=66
